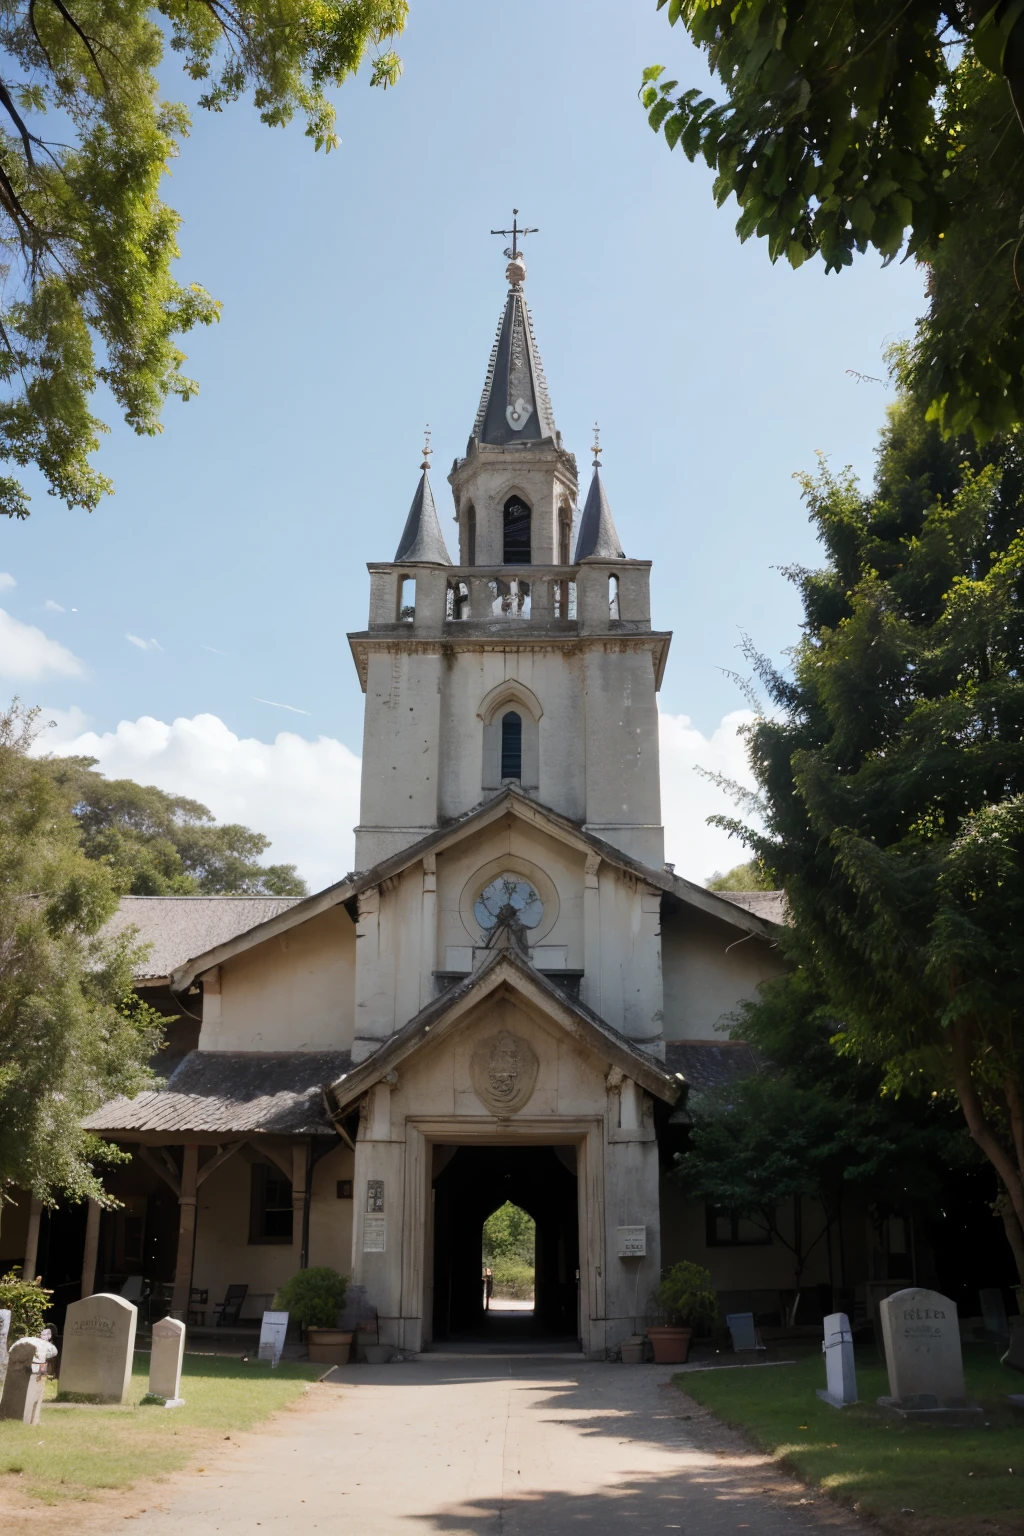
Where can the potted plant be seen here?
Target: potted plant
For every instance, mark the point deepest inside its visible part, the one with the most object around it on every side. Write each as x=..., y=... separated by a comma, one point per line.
x=314, y=1297
x=686, y=1299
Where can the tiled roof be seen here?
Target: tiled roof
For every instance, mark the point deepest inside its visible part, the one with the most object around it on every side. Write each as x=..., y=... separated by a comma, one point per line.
x=178, y=927
x=238, y=1092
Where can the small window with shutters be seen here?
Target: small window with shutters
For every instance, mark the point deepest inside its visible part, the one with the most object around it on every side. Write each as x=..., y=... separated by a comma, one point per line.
x=511, y=745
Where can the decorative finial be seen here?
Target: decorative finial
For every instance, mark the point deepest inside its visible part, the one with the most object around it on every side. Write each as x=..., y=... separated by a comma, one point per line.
x=427, y=450
x=596, y=448
x=515, y=272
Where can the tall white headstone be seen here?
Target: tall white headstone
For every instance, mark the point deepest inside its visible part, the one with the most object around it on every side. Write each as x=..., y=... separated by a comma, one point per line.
x=166, y=1352
x=921, y=1334
x=5, y=1328
x=25, y=1381
x=98, y=1348
x=840, y=1371
x=273, y=1332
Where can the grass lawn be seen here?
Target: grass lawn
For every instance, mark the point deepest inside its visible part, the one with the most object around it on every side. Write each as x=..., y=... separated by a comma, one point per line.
x=959, y=1477
x=76, y=1450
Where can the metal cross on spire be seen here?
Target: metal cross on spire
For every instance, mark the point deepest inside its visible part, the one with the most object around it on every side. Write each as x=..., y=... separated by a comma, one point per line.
x=427, y=450
x=515, y=232
x=595, y=446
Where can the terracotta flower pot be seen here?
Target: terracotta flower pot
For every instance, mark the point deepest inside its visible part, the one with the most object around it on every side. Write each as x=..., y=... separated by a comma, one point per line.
x=633, y=1350
x=328, y=1346
x=671, y=1345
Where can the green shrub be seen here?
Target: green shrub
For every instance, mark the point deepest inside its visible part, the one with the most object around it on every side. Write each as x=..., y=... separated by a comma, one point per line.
x=686, y=1295
x=513, y=1279
x=313, y=1297
x=27, y=1302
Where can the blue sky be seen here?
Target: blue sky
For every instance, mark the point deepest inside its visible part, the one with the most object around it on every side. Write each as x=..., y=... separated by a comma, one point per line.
x=361, y=292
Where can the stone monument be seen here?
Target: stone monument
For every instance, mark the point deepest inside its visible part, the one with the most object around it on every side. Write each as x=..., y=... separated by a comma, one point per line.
x=166, y=1352
x=840, y=1372
x=25, y=1381
x=921, y=1333
x=99, y=1343
x=5, y=1328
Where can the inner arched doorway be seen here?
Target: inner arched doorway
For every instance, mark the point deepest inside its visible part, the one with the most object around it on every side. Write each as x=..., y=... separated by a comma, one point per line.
x=469, y=1183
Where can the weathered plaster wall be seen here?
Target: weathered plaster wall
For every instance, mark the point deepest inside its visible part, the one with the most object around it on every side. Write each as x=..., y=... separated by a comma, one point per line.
x=295, y=992
x=709, y=967
x=401, y=738
x=224, y=1254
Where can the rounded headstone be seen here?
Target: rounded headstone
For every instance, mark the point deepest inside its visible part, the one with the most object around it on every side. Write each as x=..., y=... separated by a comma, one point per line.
x=921, y=1333
x=98, y=1348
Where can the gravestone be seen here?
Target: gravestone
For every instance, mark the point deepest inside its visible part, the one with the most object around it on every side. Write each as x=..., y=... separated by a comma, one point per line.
x=993, y=1310
x=744, y=1334
x=25, y=1381
x=840, y=1372
x=99, y=1342
x=5, y=1328
x=1015, y=1354
x=273, y=1332
x=166, y=1351
x=921, y=1334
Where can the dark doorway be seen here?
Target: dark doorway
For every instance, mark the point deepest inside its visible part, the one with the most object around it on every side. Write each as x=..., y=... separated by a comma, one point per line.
x=472, y=1182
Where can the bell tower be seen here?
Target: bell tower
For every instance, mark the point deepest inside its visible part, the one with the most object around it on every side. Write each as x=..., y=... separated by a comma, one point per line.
x=529, y=662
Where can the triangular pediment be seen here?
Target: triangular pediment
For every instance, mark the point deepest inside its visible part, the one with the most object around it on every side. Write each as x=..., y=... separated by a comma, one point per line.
x=504, y=975
x=510, y=802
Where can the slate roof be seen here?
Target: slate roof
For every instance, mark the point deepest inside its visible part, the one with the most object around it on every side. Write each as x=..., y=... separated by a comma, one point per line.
x=514, y=406
x=177, y=927
x=598, y=535
x=707, y=1064
x=422, y=539
x=769, y=905
x=277, y=1093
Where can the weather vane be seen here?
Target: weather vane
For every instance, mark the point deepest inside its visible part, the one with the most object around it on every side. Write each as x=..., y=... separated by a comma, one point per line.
x=516, y=269
x=427, y=450
x=596, y=448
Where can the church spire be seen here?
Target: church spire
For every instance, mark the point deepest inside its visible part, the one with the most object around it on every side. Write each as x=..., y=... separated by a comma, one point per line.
x=422, y=539
x=514, y=405
x=597, y=535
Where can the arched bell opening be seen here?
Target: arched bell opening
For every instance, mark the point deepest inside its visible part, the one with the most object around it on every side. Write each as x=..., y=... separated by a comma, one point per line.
x=516, y=532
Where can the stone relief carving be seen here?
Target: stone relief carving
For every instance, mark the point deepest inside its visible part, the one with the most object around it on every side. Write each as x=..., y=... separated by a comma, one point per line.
x=503, y=1069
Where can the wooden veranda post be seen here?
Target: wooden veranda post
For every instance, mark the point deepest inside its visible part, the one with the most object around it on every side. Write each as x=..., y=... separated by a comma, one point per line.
x=182, y=1292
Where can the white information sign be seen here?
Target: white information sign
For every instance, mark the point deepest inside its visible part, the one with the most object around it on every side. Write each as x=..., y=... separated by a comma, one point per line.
x=374, y=1233
x=632, y=1242
x=272, y=1336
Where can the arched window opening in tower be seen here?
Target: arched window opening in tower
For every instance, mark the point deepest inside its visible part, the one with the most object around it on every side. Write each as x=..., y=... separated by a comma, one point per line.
x=511, y=746
x=613, y=597
x=517, y=532
x=407, y=599
x=471, y=534
x=564, y=534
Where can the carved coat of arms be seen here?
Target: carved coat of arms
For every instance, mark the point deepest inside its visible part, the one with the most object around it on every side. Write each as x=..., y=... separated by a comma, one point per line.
x=504, y=1071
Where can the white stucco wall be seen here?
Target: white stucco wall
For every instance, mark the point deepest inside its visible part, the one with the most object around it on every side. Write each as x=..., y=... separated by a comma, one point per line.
x=295, y=992
x=709, y=967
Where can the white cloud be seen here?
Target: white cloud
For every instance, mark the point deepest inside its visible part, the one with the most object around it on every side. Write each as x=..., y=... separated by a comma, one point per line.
x=688, y=799
x=51, y=607
x=143, y=645
x=303, y=795
x=7, y=581
x=27, y=654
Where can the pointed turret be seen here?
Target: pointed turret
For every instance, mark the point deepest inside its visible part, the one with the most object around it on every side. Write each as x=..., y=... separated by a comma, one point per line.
x=598, y=535
x=422, y=539
x=514, y=405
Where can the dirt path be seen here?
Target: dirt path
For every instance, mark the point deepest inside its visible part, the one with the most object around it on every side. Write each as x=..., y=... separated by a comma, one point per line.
x=466, y=1447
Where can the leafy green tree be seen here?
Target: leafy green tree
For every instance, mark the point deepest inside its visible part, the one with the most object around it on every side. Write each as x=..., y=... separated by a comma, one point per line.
x=72, y=1032
x=856, y=125
x=509, y=1233
x=88, y=245
x=742, y=877
x=156, y=844
x=892, y=776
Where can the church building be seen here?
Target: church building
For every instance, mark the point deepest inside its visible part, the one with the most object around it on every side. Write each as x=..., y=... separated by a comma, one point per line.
x=511, y=997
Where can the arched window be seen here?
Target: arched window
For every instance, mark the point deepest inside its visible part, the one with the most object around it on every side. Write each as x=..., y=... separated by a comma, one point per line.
x=511, y=745
x=517, y=532
x=407, y=599
x=613, y=597
x=471, y=534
